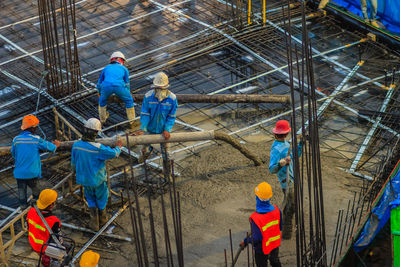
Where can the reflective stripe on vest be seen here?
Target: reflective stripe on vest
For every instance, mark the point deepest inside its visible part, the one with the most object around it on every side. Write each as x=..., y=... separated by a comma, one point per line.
x=36, y=225
x=268, y=223
x=37, y=241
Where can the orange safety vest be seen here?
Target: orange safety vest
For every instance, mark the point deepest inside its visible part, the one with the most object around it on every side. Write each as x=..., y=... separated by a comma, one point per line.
x=268, y=223
x=38, y=234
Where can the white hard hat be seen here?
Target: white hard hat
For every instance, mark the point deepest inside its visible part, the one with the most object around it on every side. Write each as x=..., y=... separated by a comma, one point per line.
x=161, y=80
x=118, y=54
x=93, y=124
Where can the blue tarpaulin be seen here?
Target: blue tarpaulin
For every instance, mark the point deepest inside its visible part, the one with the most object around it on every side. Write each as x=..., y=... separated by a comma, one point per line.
x=380, y=214
x=388, y=11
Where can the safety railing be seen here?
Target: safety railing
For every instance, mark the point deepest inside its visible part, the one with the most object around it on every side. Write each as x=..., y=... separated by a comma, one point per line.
x=10, y=233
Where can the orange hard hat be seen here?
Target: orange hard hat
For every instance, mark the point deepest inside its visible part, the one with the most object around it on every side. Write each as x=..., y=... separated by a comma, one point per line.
x=281, y=127
x=29, y=121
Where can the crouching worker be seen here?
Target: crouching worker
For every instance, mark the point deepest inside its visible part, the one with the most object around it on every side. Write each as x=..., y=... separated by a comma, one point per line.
x=114, y=79
x=88, y=161
x=25, y=150
x=266, y=228
x=38, y=232
x=89, y=259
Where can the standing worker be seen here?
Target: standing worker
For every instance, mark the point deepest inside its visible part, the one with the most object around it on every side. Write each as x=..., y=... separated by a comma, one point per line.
x=266, y=228
x=38, y=233
x=373, y=5
x=114, y=79
x=25, y=150
x=281, y=164
x=158, y=113
x=89, y=259
x=88, y=161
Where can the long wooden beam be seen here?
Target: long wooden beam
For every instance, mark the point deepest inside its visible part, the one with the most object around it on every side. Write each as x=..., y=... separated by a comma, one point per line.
x=157, y=139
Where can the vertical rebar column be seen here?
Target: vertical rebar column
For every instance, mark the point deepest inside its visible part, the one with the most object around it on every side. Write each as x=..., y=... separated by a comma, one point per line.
x=60, y=50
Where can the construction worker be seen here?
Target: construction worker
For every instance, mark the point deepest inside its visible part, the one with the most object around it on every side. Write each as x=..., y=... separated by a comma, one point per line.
x=158, y=113
x=38, y=233
x=266, y=226
x=88, y=161
x=280, y=163
x=25, y=150
x=373, y=4
x=114, y=79
x=89, y=259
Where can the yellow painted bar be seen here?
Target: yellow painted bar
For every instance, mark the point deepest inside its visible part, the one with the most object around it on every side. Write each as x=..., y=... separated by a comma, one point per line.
x=264, y=14
x=249, y=13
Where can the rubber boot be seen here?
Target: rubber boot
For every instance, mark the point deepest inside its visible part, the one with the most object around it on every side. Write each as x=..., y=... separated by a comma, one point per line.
x=130, y=113
x=103, y=217
x=103, y=114
x=94, y=219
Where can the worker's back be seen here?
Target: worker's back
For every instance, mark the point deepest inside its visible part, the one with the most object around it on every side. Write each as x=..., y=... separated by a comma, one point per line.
x=114, y=75
x=88, y=158
x=269, y=225
x=25, y=149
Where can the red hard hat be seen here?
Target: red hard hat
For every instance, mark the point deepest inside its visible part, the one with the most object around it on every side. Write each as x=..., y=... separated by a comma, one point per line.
x=281, y=127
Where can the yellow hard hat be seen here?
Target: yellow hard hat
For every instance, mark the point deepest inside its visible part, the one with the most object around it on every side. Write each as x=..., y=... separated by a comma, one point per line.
x=263, y=191
x=89, y=259
x=46, y=198
x=29, y=121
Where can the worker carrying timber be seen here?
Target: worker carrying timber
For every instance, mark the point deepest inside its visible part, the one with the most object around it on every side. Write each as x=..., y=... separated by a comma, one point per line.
x=281, y=164
x=158, y=113
x=114, y=79
x=89, y=259
x=25, y=150
x=88, y=161
x=266, y=228
x=38, y=233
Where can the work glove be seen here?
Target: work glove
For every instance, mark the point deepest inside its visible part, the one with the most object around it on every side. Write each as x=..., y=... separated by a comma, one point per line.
x=118, y=143
x=166, y=135
x=282, y=162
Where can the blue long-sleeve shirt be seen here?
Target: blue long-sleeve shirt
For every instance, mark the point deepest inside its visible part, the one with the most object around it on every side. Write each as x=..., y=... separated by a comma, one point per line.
x=279, y=150
x=158, y=116
x=25, y=150
x=114, y=75
x=88, y=160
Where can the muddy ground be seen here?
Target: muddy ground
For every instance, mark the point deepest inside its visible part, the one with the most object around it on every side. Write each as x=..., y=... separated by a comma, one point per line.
x=217, y=194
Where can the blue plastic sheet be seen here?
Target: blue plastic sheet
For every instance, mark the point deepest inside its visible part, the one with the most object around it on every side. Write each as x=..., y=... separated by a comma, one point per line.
x=388, y=12
x=380, y=214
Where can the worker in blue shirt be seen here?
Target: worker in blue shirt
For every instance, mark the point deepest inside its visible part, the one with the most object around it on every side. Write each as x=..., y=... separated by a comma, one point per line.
x=158, y=113
x=25, y=150
x=114, y=79
x=281, y=164
x=88, y=161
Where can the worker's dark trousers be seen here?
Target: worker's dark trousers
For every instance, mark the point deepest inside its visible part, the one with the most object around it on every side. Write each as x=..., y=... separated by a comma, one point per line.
x=22, y=192
x=273, y=257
